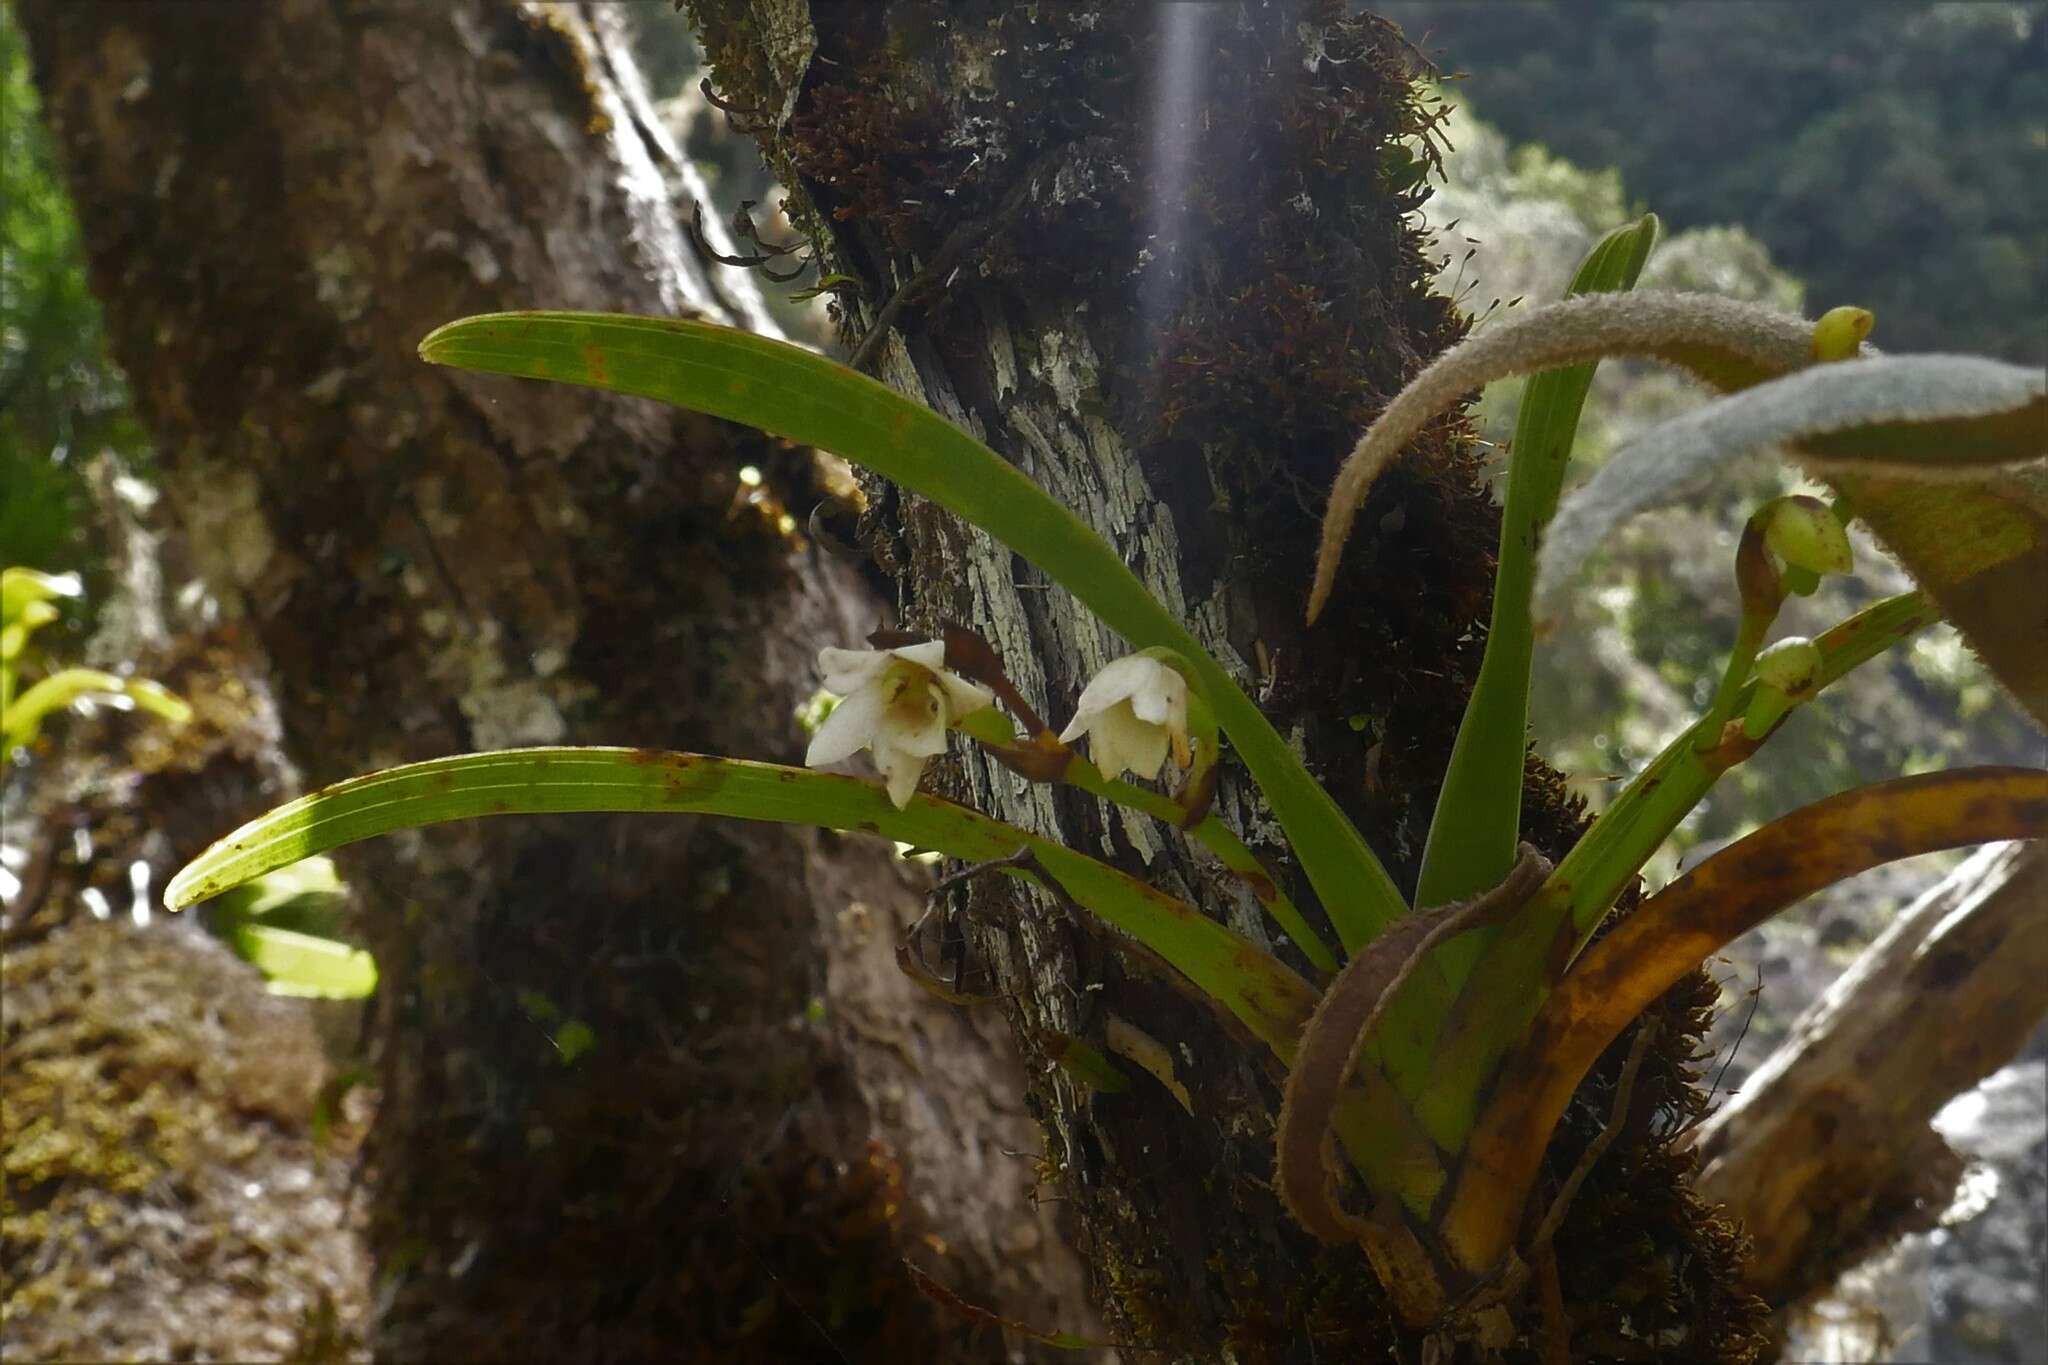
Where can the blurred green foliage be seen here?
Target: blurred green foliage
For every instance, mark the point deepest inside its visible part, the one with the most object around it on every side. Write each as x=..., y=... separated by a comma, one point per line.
x=61, y=400
x=1851, y=138
x=286, y=923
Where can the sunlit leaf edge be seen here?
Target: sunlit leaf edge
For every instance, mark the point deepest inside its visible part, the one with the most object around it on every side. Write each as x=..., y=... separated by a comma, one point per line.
x=305, y=964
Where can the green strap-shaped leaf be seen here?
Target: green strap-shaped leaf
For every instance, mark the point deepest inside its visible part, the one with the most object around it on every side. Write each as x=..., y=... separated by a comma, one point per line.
x=1477, y=825
x=788, y=391
x=1253, y=985
x=1473, y=835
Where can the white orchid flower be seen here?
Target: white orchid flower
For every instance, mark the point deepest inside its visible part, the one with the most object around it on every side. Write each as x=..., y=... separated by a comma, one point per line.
x=1133, y=711
x=898, y=703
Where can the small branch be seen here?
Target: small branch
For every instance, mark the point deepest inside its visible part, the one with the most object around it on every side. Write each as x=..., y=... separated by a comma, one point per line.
x=910, y=953
x=1557, y=1323
x=743, y=225
x=1624, y=1094
x=1948, y=992
x=733, y=112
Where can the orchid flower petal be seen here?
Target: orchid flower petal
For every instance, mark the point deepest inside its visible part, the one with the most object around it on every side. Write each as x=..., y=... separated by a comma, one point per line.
x=849, y=729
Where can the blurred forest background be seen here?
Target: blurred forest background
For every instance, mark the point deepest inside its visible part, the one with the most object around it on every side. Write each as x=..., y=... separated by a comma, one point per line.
x=1891, y=156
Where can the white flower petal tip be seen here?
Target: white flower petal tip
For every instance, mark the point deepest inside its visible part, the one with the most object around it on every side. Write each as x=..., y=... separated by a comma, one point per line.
x=896, y=703
x=1133, y=712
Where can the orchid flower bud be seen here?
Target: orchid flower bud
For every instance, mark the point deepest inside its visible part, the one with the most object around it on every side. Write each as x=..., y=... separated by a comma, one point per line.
x=1839, y=333
x=1787, y=674
x=1805, y=533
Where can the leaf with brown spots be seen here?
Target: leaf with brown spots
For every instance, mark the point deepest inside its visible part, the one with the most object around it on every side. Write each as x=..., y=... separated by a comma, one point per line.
x=1674, y=931
x=1255, y=987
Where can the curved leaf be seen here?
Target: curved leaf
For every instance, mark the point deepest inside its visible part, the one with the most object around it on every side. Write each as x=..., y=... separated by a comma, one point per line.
x=1254, y=986
x=790, y=392
x=1237, y=975
x=1980, y=549
x=1914, y=416
x=1678, y=928
x=24, y=718
x=1726, y=344
x=1344, y=1019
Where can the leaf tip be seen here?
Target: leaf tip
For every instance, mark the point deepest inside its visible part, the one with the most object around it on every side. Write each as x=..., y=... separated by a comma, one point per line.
x=1645, y=233
x=181, y=893
x=430, y=344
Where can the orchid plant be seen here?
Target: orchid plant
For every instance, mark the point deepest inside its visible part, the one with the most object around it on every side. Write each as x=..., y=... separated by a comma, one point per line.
x=1442, y=1119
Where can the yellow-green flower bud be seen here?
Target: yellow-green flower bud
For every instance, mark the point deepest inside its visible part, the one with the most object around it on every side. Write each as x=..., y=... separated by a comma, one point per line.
x=1791, y=666
x=1839, y=333
x=1787, y=673
x=19, y=587
x=1804, y=532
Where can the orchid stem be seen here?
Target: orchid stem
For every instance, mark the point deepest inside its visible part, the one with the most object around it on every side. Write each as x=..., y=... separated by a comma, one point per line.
x=1045, y=759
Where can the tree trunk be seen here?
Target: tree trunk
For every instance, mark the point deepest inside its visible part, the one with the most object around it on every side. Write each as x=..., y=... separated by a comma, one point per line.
x=1161, y=257
x=279, y=201
x=1944, y=997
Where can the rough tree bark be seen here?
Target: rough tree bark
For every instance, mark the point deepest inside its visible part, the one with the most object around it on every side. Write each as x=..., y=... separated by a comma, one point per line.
x=278, y=202
x=1827, y=1154
x=1161, y=258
